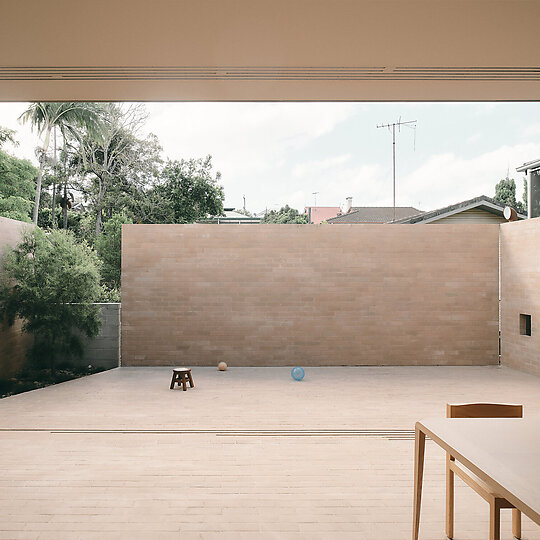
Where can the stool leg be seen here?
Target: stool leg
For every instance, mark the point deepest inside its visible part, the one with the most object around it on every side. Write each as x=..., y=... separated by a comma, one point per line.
x=184, y=382
x=173, y=380
x=190, y=379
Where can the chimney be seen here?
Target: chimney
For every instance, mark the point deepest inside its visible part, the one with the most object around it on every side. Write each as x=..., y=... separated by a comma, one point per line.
x=348, y=205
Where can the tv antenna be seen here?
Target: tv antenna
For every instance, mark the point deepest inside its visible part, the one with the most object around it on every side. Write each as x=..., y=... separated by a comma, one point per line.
x=315, y=193
x=392, y=128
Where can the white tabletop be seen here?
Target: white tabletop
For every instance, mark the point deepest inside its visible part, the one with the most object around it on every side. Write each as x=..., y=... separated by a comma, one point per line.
x=504, y=452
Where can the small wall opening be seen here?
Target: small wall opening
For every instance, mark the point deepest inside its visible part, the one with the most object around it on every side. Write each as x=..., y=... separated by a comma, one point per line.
x=524, y=324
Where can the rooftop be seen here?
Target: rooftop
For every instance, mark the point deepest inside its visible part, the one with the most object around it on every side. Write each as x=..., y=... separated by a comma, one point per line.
x=375, y=214
x=483, y=202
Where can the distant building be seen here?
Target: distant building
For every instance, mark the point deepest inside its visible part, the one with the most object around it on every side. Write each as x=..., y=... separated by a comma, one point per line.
x=318, y=214
x=230, y=215
x=374, y=214
x=478, y=210
x=532, y=169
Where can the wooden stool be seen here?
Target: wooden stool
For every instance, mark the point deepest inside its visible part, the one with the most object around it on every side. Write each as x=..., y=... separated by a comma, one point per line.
x=181, y=375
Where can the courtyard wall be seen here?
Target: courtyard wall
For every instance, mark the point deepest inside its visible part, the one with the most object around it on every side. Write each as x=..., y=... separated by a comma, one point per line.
x=520, y=278
x=272, y=295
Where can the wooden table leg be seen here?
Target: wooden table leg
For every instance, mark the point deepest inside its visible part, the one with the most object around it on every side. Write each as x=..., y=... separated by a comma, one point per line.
x=516, y=523
x=419, y=448
x=449, y=498
x=184, y=388
x=190, y=379
x=173, y=380
x=494, y=519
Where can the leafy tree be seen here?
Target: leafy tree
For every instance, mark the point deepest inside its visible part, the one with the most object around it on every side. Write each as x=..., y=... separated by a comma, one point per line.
x=505, y=194
x=7, y=135
x=66, y=116
x=50, y=282
x=188, y=192
x=117, y=162
x=525, y=196
x=286, y=214
x=109, y=249
x=17, y=185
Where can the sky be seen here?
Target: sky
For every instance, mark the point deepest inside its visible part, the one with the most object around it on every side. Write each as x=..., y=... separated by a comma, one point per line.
x=281, y=153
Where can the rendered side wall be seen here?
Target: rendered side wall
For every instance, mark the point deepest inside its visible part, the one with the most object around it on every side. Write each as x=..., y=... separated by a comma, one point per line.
x=310, y=295
x=104, y=350
x=520, y=277
x=13, y=343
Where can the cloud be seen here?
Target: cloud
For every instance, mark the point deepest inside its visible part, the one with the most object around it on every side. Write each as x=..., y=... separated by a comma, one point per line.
x=447, y=178
x=311, y=168
x=253, y=144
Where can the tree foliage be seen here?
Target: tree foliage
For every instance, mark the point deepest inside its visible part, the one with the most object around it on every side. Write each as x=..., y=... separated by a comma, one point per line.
x=187, y=192
x=505, y=194
x=109, y=249
x=117, y=162
x=68, y=117
x=50, y=282
x=17, y=186
x=286, y=214
x=7, y=135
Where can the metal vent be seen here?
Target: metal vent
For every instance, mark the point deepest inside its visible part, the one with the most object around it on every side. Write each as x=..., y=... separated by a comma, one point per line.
x=107, y=73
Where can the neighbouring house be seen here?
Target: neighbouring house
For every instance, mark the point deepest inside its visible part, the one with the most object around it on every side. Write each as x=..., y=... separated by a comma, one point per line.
x=318, y=214
x=481, y=209
x=478, y=210
x=532, y=170
x=374, y=214
x=230, y=215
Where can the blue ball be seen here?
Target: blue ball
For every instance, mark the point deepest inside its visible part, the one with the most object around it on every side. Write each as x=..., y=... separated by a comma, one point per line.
x=297, y=373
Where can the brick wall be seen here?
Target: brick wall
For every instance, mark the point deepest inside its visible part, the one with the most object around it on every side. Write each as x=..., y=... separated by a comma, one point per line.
x=13, y=343
x=310, y=295
x=520, y=273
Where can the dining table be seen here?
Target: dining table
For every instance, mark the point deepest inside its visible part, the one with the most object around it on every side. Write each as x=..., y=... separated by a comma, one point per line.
x=503, y=452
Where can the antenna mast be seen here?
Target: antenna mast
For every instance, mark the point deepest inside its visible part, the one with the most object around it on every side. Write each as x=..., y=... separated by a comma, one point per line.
x=411, y=124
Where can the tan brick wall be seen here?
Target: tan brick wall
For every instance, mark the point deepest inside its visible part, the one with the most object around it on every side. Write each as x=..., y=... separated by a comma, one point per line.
x=520, y=273
x=310, y=295
x=13, y=343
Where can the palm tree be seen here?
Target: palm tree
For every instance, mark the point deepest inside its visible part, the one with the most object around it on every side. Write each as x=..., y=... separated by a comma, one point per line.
x=66, y=116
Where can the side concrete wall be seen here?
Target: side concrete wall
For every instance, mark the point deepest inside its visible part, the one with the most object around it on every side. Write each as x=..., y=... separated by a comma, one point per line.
x=13, y=343
x=520, y=292
x=291, y=294
x=104, y=350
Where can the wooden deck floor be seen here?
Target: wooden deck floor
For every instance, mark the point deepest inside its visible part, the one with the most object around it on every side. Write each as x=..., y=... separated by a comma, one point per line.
x=246, y=454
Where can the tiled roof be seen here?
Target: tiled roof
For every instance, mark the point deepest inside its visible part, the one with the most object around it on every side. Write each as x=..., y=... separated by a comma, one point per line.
x=375, y=214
